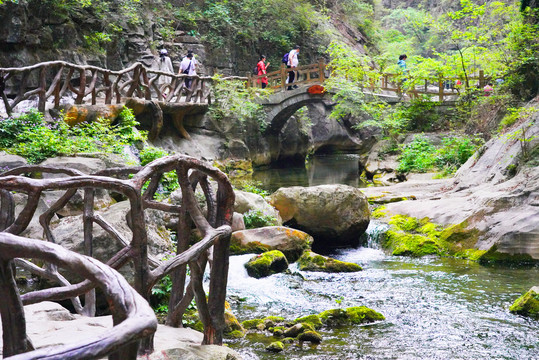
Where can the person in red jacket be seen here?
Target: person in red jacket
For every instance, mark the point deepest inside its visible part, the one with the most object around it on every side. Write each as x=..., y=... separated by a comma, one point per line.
x=261, y=67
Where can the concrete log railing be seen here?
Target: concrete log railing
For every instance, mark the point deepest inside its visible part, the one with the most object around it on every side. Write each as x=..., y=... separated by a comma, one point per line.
x=214, y=228
x=133, y=318
x=50, y=81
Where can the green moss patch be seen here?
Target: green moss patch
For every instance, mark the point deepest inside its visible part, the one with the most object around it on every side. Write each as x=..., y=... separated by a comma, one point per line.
x=275, y=347
x=311, y=261
x=313, y=320
x=352, y=315
x=409, y=236
x=266, y=264
x=527, y=304
x=493, y=256
x=253, y=247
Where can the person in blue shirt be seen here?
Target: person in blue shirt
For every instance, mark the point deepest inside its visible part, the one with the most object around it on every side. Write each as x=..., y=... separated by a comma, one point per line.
x=402, y=65
x=402, y=62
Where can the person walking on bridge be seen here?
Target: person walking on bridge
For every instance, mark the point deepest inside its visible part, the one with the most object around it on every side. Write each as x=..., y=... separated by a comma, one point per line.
x=188, y=67
x=163, y=64
x=293, y=62
x=261, y=70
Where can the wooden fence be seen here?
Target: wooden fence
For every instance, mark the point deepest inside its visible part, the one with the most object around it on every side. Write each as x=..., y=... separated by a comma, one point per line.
x=214, y=227
x=50, y=81
x=435, y=85
x=305, y=75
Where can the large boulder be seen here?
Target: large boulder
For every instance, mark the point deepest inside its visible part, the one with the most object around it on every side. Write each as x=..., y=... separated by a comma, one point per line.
x=335, y=215
x=87, y=165
x=68, y=232
x=246, y=201
x=493, y=198
x=289, y=241
x=8, y=161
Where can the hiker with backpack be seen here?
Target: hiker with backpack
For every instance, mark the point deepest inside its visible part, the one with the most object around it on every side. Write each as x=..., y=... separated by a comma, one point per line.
x=261, y=70
x=188, y=67
x=292, y=62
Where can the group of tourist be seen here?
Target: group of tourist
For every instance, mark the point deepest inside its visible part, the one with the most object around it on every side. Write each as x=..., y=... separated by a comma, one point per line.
x=290, y=59
x=188, y=66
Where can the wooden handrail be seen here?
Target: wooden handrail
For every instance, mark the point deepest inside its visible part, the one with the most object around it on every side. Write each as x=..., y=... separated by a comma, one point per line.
x=214, y=227
x=141, y=82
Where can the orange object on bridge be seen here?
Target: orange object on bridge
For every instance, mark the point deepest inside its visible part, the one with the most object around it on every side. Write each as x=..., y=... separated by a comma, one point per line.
x=316, y=89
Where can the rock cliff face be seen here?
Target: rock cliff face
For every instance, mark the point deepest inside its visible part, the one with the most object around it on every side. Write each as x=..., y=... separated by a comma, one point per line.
x=496, y=194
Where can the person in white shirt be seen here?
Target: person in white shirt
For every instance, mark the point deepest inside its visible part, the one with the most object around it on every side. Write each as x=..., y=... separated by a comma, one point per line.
x=164, y=64
x=293, y=62
x=188, y=67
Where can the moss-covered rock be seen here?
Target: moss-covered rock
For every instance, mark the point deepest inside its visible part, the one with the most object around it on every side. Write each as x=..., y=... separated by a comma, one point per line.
x=417, y=245
x=352, y=315
x=311, y=336
x=291, y=242
x=233, y=328
x=252, y=324
x=297, y=329
x=277, y=330
x=313, y=320
x=268, y=263
x=275, y=347
x=311, y=261
x=363, y=315
x=527, y=304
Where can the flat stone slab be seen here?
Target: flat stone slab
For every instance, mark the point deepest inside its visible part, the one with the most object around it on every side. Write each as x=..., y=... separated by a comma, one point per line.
x=50, y=324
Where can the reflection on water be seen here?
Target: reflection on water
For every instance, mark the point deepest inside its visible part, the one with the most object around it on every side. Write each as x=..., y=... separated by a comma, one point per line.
x=319, y=170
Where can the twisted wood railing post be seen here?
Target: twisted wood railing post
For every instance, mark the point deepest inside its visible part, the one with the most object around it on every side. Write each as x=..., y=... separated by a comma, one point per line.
x=12, y=313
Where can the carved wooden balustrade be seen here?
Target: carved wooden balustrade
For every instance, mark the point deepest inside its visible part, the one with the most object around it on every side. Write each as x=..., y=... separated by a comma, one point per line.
x=133, y=318
x=85, y=84
x=213, y=226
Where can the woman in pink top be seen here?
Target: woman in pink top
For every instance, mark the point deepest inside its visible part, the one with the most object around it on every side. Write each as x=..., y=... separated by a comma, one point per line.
x=262, y=66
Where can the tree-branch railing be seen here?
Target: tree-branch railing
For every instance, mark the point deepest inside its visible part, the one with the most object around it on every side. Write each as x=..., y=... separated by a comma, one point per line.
x=139, y=186
x=85, y=84
x=304, y=75
x=133, y=318
x=433, y=85
x=52, y=81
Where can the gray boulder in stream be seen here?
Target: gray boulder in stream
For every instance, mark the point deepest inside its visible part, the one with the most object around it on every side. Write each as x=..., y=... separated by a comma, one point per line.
x=335, y=215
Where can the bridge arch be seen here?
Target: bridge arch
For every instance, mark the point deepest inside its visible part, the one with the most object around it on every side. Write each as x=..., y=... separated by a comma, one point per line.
x=281, y=106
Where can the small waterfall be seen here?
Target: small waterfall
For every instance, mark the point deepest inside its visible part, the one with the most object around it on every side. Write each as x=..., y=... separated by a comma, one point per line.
x=374, y=233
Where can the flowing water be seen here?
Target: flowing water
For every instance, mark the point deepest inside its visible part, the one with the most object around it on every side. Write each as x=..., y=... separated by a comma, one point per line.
x=435, y=308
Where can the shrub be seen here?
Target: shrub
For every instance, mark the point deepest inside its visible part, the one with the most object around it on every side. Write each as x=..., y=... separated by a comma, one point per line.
x=256, y=218
x=251, y=186
x=422, y=156
x=11, y=127
x=151, y=153
x=169, y=180
x=36, y=140
x=417, y=156
x=456, y=151
x=235, y=103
